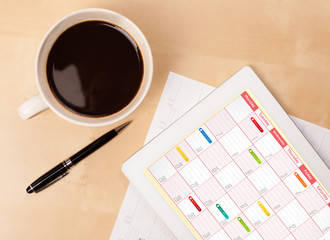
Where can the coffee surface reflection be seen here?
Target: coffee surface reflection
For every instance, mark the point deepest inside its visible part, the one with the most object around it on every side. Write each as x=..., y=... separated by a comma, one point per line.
x=95, y=69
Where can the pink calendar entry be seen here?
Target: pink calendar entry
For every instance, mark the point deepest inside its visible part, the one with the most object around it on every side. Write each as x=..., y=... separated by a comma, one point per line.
x=238, y=177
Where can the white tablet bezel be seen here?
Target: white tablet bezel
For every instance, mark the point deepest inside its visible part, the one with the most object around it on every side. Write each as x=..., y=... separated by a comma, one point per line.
x=245, y=78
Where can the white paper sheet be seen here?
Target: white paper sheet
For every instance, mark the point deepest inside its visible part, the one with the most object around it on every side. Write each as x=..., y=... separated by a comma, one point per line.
x=136, y=219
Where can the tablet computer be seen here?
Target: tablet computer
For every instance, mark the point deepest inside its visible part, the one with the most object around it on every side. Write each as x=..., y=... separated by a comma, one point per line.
x=235, y=167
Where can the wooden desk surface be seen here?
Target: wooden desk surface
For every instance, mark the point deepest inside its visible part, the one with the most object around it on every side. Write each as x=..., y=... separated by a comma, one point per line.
x=286, y=43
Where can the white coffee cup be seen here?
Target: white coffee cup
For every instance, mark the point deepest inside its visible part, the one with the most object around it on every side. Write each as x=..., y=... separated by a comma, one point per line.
x=46, y=98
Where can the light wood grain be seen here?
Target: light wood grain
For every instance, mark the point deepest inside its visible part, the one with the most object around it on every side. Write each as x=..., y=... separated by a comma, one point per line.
x=285, y=42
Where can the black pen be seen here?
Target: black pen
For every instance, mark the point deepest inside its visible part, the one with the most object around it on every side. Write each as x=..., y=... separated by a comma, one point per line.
x=62, y=169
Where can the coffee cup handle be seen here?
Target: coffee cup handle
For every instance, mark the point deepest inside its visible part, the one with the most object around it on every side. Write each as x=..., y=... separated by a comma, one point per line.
x=32, y=107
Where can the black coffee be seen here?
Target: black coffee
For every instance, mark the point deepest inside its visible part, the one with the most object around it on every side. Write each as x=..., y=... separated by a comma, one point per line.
x=94, y=69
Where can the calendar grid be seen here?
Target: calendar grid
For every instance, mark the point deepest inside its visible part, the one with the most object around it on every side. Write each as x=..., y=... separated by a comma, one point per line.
x=227, y=152
x=247, y=176
x=265, y=163
x=196, y=195
x=203, y=176
x=295, y=197
x=310, y=219
x=290, y=191
x=230, y=189
x=313, y=187
x=224, y=190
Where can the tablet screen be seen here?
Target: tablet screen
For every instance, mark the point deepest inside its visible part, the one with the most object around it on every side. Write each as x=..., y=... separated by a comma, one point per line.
x=237, y=177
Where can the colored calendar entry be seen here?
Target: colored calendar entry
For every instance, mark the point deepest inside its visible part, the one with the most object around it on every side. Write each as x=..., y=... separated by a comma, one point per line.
x=236, y=176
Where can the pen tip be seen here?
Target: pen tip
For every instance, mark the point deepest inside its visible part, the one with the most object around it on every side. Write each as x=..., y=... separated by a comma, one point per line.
x=29, y=190
x=121, y=127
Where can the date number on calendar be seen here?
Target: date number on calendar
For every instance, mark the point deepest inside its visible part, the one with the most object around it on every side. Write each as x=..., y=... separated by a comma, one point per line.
x=178, y=165
x=214, y=170
x=194, y=185
x=191, y=215
x=206, y=235
x=293, y=226
x=162, y=179
x=177, y=198
x=208, y=203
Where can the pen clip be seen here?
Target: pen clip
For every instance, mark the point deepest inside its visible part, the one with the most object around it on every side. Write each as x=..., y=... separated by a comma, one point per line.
x=54, y=181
